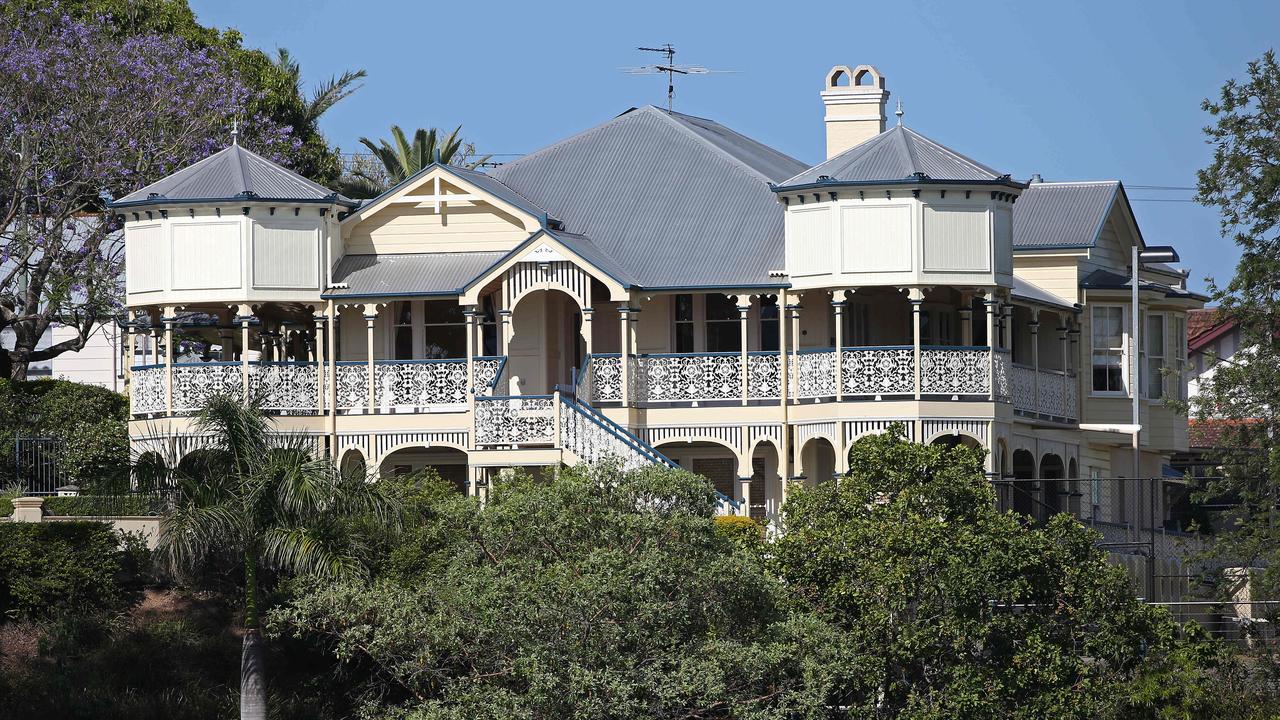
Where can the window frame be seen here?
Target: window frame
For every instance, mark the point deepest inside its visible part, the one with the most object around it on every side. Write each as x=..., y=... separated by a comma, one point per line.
x=1122, y=350
x=1148, y=375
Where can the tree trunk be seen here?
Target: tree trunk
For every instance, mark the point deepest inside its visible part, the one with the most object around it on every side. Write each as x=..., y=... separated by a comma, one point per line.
x=6, y=365
x=253, y=674
x=253, y=677
x=17, y=366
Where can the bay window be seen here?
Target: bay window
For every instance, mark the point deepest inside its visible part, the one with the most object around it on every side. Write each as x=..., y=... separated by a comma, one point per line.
x=1108, y=325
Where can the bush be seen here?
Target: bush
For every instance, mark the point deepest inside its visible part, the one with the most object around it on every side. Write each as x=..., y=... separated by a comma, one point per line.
x=104, y=505
x=742, y=531
x=46, y=568
x=90, y=421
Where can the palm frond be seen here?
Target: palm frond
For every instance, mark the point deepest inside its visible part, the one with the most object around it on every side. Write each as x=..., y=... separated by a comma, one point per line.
x=331, y=92
x=299, y=550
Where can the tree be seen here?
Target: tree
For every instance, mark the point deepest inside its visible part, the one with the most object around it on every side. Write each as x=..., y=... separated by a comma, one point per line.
x=401, y=159
x=276, y=93
x=955, y=609
x=1242, y=397
x=79, y=126
x=265, y=502
x=326, y=95
x=595, y=593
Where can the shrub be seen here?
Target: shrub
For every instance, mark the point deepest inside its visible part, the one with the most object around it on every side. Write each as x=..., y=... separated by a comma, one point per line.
x=90, y=421
x=104, y=505
x=50, y=567
x=740, y=530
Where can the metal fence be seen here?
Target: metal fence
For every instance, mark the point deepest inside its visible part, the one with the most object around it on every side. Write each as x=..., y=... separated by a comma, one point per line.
x=36, y=465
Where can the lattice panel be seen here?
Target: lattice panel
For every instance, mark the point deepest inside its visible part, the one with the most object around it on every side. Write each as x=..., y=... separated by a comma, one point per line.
x=879, y=371
x=146, y=391
x=677, y=378
x=515, y=421
x=955, y=372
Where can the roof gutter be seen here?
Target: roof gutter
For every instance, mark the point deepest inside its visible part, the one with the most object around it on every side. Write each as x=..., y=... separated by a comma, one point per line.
x=836, y=184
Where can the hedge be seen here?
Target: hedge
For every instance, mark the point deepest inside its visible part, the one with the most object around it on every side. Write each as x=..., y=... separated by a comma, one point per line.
x=79, y=566
x=104, y=505
x=90, y=421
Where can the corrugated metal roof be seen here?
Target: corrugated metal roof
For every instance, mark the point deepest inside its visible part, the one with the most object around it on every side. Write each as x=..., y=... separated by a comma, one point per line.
x=409, y=274
x=588, y=250
x=1107, y=280
x=1027, y=290
x=897, y=155
x=1067, y=214
x=674, y=201
x=233, y=173
x=489, y=184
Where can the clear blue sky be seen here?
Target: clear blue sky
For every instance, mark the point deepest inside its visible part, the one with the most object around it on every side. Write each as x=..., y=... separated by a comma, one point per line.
x=1070, y=90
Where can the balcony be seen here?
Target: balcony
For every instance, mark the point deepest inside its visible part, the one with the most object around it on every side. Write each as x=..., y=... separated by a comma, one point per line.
x=864, y=373
x=1045, y=394
x=292, y=388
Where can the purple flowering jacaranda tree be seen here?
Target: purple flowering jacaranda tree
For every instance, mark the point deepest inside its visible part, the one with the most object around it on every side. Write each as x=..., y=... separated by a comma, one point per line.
x=86, y=115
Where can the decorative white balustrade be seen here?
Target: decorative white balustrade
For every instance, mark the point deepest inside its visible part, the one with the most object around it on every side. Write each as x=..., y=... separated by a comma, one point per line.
x=817, y=374
x=1002, y=371
x=687, y=378
x=1047, y=393
x=516, y=420
x=283, y=387
x=879, y=371
x=194, y=384
x=866, y=372
x=955, y=371
x=595, y=438
x=147, y=390
x=292, y=387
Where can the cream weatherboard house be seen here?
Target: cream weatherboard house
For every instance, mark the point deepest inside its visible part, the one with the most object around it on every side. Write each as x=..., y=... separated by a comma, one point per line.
x=660, y=288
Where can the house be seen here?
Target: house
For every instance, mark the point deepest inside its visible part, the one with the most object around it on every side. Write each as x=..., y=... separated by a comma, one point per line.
x=661, y=288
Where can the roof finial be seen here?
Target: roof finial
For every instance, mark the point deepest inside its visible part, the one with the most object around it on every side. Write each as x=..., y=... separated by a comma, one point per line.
x=898, y=112
x=235, y=131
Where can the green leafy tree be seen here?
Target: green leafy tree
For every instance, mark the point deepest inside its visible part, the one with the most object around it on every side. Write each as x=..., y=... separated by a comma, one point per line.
x=595, y=594
x=1242, y=396
x=955, y=609
x=400, y=159
x=264, y=501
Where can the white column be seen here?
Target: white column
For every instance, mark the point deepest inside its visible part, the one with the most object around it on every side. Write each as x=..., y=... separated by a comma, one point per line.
x=917, y=300
x=320, y=319
x=784, y=451
x=837, y=306
x=744, y=492
x=588, y=331
x=793, y=311
x=991, y=305
x=744, y=308
x=168, y=320
x=624, y=345
x=966, y=326
x=332, y=339
x=244, y=314
x=1064, y=348
x=370, y=316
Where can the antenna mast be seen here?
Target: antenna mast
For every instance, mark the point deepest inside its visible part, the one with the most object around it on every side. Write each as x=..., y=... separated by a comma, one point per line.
x=669, y=68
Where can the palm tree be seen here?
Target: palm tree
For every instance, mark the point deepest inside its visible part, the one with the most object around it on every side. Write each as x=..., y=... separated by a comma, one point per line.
x=325, y=95
x=400, y=159
x=262, y=500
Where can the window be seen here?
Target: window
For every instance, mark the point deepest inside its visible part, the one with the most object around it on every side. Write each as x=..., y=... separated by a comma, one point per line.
x=683, y=308
x=1108, y=335
x=724, y=331
x=445, y=328
x=404, y=331
x=769, y=323
x=1180, y=355
x=1154, y=366
x=857, y=324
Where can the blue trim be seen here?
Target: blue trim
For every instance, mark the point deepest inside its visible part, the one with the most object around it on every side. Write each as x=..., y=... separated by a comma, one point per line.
x=605, y=355
x=236, y=201
x=145, y=367
x=269, y=363
x=835, y=184
x=211, y=363
x=954, y=347
x=878, y=347
x=617, y=431
x=690, y=355
x=351, y=363
x=423, y=361
x=486, y=398
x=433, y=293
x=502, y=367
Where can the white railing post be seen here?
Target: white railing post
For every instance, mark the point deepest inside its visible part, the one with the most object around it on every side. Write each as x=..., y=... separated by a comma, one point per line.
x=555, y=415
x=743, y=309
x=990, y=303
x=917, y=301
x=837, y=306
x=244, y=314
x=168, y=320
x=320, y=340
x=370, y=316
x=1034, y=326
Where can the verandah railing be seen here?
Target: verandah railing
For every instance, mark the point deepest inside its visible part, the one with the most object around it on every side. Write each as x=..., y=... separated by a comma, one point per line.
x=292, y=387
x=865, y=372
x=1050, y=394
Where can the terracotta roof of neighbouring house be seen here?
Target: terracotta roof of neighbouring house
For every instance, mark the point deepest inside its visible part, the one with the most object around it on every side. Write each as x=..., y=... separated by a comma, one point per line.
x=1210, y=433
x=1204, y=326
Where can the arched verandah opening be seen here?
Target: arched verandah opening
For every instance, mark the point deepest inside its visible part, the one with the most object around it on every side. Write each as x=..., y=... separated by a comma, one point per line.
x=547, y=346
x=450, y=464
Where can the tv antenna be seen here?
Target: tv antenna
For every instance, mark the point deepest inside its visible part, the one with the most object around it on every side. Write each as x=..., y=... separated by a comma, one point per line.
x=670, y=68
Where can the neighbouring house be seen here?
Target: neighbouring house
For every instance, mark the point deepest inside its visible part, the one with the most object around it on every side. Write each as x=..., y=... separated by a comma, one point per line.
x=661, y=288
x=100, y=362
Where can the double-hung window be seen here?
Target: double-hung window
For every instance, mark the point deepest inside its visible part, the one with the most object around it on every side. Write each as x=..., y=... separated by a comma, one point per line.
x=404, y=331
x=769, y=324
x=724, y=330
x=1108, y=338
x=857, y=324
x=1154, y=346
x=444, y=330
x=1179, y=339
